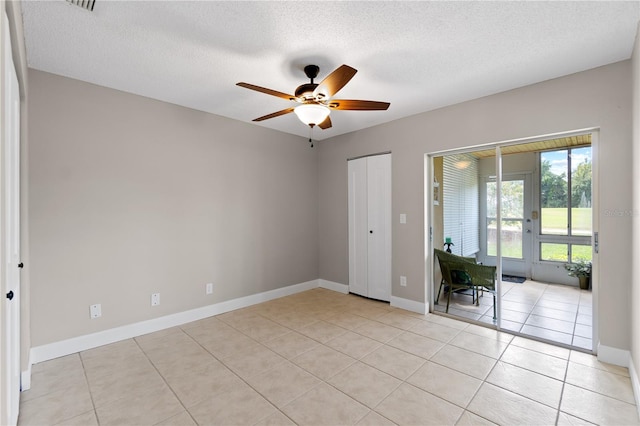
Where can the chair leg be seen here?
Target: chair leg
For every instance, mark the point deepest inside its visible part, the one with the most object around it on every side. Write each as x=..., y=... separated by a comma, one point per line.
x=449, y=298
x=439, y=290
x=494, y=306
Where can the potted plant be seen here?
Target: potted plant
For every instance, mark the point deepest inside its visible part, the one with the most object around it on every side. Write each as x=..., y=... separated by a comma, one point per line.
x=582, y=270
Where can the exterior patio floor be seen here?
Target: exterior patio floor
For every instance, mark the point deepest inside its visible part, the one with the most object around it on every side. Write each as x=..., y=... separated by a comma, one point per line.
x=553, y=312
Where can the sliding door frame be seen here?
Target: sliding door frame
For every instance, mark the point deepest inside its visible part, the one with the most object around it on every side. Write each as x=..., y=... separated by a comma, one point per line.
x=430, y=279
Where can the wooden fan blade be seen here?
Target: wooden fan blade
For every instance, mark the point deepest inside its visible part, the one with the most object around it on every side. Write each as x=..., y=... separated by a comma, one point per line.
x=326, y=123
x=274, y=114
x=355, y=105
x=267, y=91
x=335, y=81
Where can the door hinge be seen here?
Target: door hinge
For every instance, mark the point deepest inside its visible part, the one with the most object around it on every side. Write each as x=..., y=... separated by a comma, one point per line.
x=596, y=244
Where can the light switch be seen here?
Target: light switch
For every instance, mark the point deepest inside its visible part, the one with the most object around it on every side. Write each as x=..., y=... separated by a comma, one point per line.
x=403, y=218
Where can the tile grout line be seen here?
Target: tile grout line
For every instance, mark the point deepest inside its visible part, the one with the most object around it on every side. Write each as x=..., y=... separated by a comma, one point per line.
x=386, y=343
x=564, y=382
x=86, y=378
x=164, y=380
x=402, y=381
x=357, y=360
x=321, y=380
x=240, y=377
x=485, y=379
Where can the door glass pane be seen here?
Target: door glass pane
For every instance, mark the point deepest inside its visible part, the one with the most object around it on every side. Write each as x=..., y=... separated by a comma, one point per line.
x=511, y=237
x=512, y=214
x=554, y=197
x=580, y=252
x=581, y=191
x=513, y=199
x=554, y=251
x=492, y=230
x=491, y=199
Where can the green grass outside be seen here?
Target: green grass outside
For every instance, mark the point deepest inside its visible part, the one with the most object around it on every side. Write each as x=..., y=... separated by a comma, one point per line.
x=558, y=252
x=509, y=249
x=554, y=221
x=550, y=251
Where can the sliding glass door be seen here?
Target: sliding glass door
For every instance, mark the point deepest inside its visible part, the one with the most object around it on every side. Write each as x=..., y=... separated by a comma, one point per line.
x=527, y=211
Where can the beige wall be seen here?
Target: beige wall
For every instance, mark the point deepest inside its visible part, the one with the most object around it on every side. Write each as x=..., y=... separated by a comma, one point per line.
x=131, y=196
x=634, y=300
x=594, y=98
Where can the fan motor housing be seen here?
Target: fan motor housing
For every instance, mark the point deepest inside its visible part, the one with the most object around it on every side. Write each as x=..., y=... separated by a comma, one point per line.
x=306, y=90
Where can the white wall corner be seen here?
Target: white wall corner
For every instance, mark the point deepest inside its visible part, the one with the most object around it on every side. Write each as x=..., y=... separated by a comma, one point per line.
x=614, y=356
x=409, y=305
x=330, y=285
x=635, y=383
x=112, y=335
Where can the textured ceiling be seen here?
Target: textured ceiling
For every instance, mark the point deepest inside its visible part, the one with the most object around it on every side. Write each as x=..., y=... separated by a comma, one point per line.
x=417, y=55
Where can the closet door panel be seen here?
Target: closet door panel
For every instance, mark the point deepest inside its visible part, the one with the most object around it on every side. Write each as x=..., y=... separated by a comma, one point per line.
x=358, y=230
x=379, y=224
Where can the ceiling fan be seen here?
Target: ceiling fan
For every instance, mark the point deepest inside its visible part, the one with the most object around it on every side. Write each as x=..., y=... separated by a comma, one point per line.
x=316, y=100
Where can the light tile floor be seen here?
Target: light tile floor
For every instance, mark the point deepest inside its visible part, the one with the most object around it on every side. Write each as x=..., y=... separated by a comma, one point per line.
x=325, y=358
x=556, y=313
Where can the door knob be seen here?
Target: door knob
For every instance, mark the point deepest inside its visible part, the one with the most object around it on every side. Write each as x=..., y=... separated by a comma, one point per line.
x=371, y=232
x=20, y=265
x=10, y=295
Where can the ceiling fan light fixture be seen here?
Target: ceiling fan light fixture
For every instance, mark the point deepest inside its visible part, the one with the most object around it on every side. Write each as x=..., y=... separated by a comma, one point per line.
x=311, y=114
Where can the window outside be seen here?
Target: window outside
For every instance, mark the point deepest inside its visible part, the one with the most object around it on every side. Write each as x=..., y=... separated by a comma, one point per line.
x=565, y=204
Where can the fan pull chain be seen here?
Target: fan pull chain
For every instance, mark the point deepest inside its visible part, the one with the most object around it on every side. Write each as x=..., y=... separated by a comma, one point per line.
x=311, y=135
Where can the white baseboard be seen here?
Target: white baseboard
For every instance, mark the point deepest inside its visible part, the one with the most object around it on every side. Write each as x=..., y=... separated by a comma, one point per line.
x=613, y=356
x=25, y=379
x=330, y=285
x=635, y=384
x=89, y=341
x=409, y=305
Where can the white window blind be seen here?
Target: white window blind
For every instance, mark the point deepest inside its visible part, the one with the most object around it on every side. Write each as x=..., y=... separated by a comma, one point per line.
x=460, y=197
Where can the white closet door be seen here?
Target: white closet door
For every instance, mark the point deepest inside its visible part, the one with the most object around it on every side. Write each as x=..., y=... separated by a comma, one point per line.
x=379, y=221
x=358, y=231
x=370, y=226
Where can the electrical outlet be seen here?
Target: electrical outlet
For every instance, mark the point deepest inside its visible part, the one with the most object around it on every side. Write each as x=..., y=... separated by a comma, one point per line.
x=403, y=218
x=403, y=281
x=95, y=311
x=209, y=288
x=155, y=299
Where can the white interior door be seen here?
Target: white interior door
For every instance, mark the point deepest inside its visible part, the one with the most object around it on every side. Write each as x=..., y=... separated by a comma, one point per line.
x=370, y=226
x=379, y=219
x=10, y=190
x=358, y=227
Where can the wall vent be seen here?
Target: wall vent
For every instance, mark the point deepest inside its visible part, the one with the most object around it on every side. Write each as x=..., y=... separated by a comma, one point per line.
x=85, y=4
